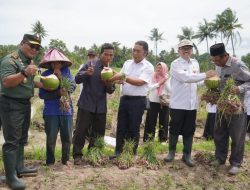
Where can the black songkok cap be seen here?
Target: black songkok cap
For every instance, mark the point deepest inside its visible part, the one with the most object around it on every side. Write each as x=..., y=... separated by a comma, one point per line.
x=217, y=49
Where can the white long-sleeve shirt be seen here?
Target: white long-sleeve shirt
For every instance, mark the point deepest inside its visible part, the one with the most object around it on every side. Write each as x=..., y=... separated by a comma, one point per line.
x=153, y=96
x=184, y=78
x=143, y=70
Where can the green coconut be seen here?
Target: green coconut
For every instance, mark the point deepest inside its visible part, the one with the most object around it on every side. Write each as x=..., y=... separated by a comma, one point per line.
x=212, y=82
x=50, y=82
x=106, y=73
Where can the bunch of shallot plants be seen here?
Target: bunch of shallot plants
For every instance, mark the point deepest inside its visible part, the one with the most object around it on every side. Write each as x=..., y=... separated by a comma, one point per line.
x=65, y=84
x=126, y=159
x=211, y=96
x=229, y=103
x=95, y=155
x=148, y=158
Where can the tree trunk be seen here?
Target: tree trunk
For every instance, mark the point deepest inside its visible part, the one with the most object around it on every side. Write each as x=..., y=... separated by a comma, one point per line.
x=155, y=52
x=232, y=44
x=221, y=38
x=207, y=46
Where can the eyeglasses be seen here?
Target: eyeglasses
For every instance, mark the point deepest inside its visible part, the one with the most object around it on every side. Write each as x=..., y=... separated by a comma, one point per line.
x=186, y=48
x=33, y=46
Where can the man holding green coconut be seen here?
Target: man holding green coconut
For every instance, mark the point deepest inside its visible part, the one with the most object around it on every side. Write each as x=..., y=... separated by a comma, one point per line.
x=92, y=103
x=234, y=125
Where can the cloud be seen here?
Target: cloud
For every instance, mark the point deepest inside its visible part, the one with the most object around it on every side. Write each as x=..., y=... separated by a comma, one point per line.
x=84, y=23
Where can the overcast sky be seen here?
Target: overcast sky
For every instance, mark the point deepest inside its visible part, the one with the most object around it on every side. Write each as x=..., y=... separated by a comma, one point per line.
x=82, y=22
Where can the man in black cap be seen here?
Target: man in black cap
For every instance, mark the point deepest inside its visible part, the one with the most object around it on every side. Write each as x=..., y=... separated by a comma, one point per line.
x=235, y=125
x=17, y=72
x=91, y=54
x=91, y=58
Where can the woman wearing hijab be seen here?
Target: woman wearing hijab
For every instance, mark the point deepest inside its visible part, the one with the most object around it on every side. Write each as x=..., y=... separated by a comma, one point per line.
x=159, y=86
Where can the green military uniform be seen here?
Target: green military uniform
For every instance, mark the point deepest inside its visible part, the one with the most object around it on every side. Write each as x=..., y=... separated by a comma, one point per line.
x=15, y=112
x=13, y=64
x=15, y=104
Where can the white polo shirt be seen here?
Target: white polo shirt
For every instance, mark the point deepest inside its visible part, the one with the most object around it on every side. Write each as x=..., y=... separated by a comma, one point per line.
x=143, y=70
x=184, y=78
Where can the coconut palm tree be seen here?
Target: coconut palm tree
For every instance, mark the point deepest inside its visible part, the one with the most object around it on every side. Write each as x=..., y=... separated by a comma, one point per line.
x=218, y=26
x=230, y=26
x=205, y=32
x=188, y=33
x=156, y=37
x=38, y=29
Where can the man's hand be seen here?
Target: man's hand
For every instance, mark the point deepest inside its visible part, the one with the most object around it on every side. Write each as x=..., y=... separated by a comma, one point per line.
x=31, y=70
x=38, y=84
x=89, y=71
x=58, y=73
x=235, y=90
x=62, y=92
x=107, y=82
x=118, y=77
x=211, y=73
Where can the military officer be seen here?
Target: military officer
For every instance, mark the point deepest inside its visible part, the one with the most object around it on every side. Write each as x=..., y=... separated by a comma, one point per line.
x=17, y=72
x=235, y=125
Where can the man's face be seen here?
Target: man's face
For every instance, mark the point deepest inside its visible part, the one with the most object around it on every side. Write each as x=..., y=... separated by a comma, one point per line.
x=29, y=50
x=185, y=52
x=138, y=53
x=91, y=57
x=107, y=56
x=219, y=60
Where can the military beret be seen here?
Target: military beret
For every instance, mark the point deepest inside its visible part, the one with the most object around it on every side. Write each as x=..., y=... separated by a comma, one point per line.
x=33, y=39
x=217, y=49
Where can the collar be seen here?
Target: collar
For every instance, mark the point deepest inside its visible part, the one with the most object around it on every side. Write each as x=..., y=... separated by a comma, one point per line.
x=229, y=62
x=141, y=62
x=184, y=60
x=23, y=58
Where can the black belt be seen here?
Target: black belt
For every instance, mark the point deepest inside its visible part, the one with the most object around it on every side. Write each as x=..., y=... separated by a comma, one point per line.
x=133, y=97
x=17, y=99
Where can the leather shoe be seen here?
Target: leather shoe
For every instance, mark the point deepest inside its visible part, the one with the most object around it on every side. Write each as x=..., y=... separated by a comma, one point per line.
x=78, y=161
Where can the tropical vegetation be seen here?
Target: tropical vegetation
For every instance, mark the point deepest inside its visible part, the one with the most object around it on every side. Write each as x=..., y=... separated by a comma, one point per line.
x=224, y=27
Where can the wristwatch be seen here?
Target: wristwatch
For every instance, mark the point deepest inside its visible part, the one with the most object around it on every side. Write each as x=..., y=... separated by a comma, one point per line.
x=23, y=73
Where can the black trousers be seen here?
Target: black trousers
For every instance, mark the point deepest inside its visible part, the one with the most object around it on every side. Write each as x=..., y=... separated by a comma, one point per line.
x=129, y=119
x=248, y=123
x=182, y=122
x=235, y=128
x=151, y=120
x=15, y=117
x=209, y=126
x=88, y=125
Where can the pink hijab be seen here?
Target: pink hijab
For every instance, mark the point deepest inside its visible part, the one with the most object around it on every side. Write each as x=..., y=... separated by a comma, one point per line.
x=159, y=76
